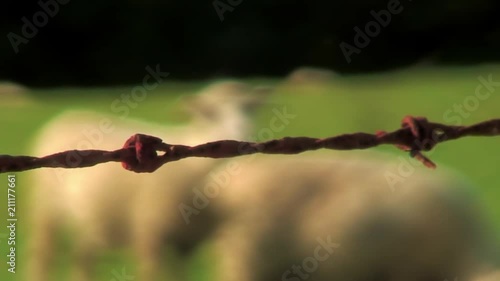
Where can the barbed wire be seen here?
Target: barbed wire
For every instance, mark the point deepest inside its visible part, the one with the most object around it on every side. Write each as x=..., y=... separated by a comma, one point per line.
x=140, y=152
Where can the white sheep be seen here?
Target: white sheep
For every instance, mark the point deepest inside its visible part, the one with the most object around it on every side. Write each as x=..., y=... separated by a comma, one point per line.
x=311, y=75
x=309, y=217
x=490, y=276
x=107, y=206
x=13, y=94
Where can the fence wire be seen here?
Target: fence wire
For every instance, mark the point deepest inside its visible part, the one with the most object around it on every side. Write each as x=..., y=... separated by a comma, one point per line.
x=140, y=152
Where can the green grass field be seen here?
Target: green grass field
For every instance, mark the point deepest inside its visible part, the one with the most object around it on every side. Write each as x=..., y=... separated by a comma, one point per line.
x=349, y=104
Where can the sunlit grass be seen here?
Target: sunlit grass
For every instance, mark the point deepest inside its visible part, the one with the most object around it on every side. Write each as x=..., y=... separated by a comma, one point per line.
x=350, y=104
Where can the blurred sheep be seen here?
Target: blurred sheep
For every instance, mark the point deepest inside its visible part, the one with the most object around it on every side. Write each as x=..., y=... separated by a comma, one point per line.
x=308, y=217
x=491, y=276
x=12, y=94
x=106, y=206
x=310, y=75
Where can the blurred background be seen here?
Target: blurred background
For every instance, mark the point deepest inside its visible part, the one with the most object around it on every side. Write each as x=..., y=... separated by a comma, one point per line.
x=107, y=43
x=339, y=66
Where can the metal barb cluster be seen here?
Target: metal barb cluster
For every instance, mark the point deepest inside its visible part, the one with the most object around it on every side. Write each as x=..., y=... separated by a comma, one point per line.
x=140, y=152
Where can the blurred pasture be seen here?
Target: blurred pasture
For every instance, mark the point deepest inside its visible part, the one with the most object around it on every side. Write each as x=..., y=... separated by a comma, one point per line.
x=341, y=105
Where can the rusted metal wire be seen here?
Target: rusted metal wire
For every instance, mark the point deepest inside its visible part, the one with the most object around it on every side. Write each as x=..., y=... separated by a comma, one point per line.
x=140, y=152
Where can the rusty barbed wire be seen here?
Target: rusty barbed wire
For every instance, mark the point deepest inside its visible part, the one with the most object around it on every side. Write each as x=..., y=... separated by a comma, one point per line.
x=140, y=152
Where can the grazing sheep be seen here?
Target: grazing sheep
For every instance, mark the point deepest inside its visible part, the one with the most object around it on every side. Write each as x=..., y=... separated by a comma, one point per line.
x=306, y=217
x=311, y=75
x=107, y=206
x=492, y=276
x=12, y=94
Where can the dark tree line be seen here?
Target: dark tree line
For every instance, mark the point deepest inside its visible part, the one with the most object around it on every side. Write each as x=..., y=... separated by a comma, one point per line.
x=72, y=42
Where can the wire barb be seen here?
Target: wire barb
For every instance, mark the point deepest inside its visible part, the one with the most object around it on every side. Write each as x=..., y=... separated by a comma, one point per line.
x=140, y=152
